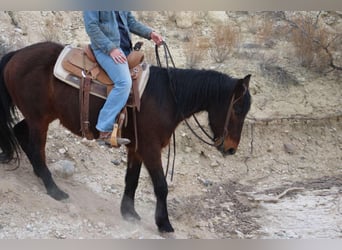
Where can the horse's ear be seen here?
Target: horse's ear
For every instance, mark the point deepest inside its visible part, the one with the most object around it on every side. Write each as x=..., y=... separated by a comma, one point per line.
x=246, y=80
x=242, y=86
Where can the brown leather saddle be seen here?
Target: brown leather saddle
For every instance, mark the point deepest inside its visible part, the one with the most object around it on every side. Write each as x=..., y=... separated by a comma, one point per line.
x=87, y=75
x=81, y=62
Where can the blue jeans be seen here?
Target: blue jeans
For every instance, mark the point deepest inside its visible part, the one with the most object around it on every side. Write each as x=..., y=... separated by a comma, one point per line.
x=117, y=98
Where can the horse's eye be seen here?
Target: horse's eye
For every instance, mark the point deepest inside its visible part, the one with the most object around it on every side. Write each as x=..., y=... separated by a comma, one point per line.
x=238, y=110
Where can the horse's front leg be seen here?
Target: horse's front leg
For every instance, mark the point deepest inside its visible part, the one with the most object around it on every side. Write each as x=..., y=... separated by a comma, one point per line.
x=32, y=140
x=160, y=190
x=131, y=184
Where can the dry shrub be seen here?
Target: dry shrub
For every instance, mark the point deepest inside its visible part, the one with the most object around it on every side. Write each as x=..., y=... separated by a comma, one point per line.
x=195, y=49
x=50, y=31
x=309, y=38
x=224, y=41
x=193, y=55
x=147, y=17
x=252, y=24
x=270, y=69
x=266, y=33
x=202, y=43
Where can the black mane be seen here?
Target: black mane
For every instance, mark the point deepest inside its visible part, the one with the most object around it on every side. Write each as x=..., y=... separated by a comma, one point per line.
x=192, y=88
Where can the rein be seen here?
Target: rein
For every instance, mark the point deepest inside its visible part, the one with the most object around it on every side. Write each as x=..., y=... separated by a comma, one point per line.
x=215, y=142
x=167, y=55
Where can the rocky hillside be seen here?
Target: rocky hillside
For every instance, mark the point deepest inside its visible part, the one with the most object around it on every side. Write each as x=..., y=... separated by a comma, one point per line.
x=261, y=45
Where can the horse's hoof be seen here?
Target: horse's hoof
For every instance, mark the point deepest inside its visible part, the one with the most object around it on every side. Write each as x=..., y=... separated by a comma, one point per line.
x=166, y=228
x=127, y=210
x=131, y=216
x=58, y=194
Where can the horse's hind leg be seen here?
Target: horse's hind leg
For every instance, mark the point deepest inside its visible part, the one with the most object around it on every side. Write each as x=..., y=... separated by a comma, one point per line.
x=131, y=184
x=32, y=140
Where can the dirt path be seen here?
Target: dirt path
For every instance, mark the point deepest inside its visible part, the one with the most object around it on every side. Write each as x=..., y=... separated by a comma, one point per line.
x=210, y=196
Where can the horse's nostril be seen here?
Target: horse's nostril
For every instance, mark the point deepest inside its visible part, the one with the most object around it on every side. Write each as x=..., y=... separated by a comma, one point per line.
x=231, y=151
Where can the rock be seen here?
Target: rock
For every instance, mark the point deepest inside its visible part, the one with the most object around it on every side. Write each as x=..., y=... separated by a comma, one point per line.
x=116, y=162
x=29, y=228
x=217, y=17
x=62, y=151
x=18, y=30
x=95, y=187
x=289, y=148
x=215, y=164
x=188, y=149
x=205, y=182
x=63, y=168
x=59, y=235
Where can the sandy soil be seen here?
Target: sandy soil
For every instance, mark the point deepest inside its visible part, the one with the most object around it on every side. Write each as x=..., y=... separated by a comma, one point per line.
x=265, y=191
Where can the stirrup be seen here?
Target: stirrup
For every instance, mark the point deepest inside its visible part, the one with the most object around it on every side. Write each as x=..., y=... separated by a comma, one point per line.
x=117, y=141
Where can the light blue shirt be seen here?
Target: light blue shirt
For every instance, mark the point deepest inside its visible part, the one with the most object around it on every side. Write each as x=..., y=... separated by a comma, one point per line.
x=102, y=28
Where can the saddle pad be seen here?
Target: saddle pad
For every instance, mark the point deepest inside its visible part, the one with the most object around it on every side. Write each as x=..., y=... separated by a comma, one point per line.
x=59, y=72
x=97, y=88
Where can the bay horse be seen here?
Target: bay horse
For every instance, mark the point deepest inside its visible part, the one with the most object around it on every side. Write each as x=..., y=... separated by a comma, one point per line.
x=27, y=83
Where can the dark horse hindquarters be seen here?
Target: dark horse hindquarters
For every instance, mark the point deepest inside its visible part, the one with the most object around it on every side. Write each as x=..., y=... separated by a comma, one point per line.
x=29, y=82
x=8, y=142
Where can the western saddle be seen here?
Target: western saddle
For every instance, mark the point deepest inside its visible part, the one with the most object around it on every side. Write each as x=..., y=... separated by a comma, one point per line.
x=81, y=62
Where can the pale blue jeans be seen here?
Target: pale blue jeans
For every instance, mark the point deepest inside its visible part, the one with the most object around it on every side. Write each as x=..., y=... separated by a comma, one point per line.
x=117, y=98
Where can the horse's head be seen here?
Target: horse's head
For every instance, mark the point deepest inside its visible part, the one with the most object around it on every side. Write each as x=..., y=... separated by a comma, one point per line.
x=227, y=136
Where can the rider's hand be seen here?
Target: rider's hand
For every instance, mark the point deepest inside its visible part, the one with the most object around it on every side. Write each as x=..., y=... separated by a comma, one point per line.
x=158, y=39
x=118, y=56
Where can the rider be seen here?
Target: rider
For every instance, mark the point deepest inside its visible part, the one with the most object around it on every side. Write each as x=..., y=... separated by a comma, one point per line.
x=110, y=37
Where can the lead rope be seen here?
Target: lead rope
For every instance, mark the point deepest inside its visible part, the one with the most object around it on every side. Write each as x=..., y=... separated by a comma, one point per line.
x=167, y=55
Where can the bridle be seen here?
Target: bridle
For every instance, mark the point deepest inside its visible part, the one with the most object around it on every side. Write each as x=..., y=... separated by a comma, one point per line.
x=215, y=142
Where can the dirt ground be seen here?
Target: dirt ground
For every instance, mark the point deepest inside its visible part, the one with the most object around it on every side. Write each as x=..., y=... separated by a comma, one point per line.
x=267, y=190
x=285, y=181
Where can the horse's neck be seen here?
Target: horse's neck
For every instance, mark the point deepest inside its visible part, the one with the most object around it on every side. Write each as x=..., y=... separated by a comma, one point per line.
x=192, y=97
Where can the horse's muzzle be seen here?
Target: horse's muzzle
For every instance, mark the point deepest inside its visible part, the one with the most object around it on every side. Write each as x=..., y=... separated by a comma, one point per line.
x=231, y=151
x=225, y=152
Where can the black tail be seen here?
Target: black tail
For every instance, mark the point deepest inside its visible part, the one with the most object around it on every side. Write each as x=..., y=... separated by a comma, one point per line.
x=8, y=142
